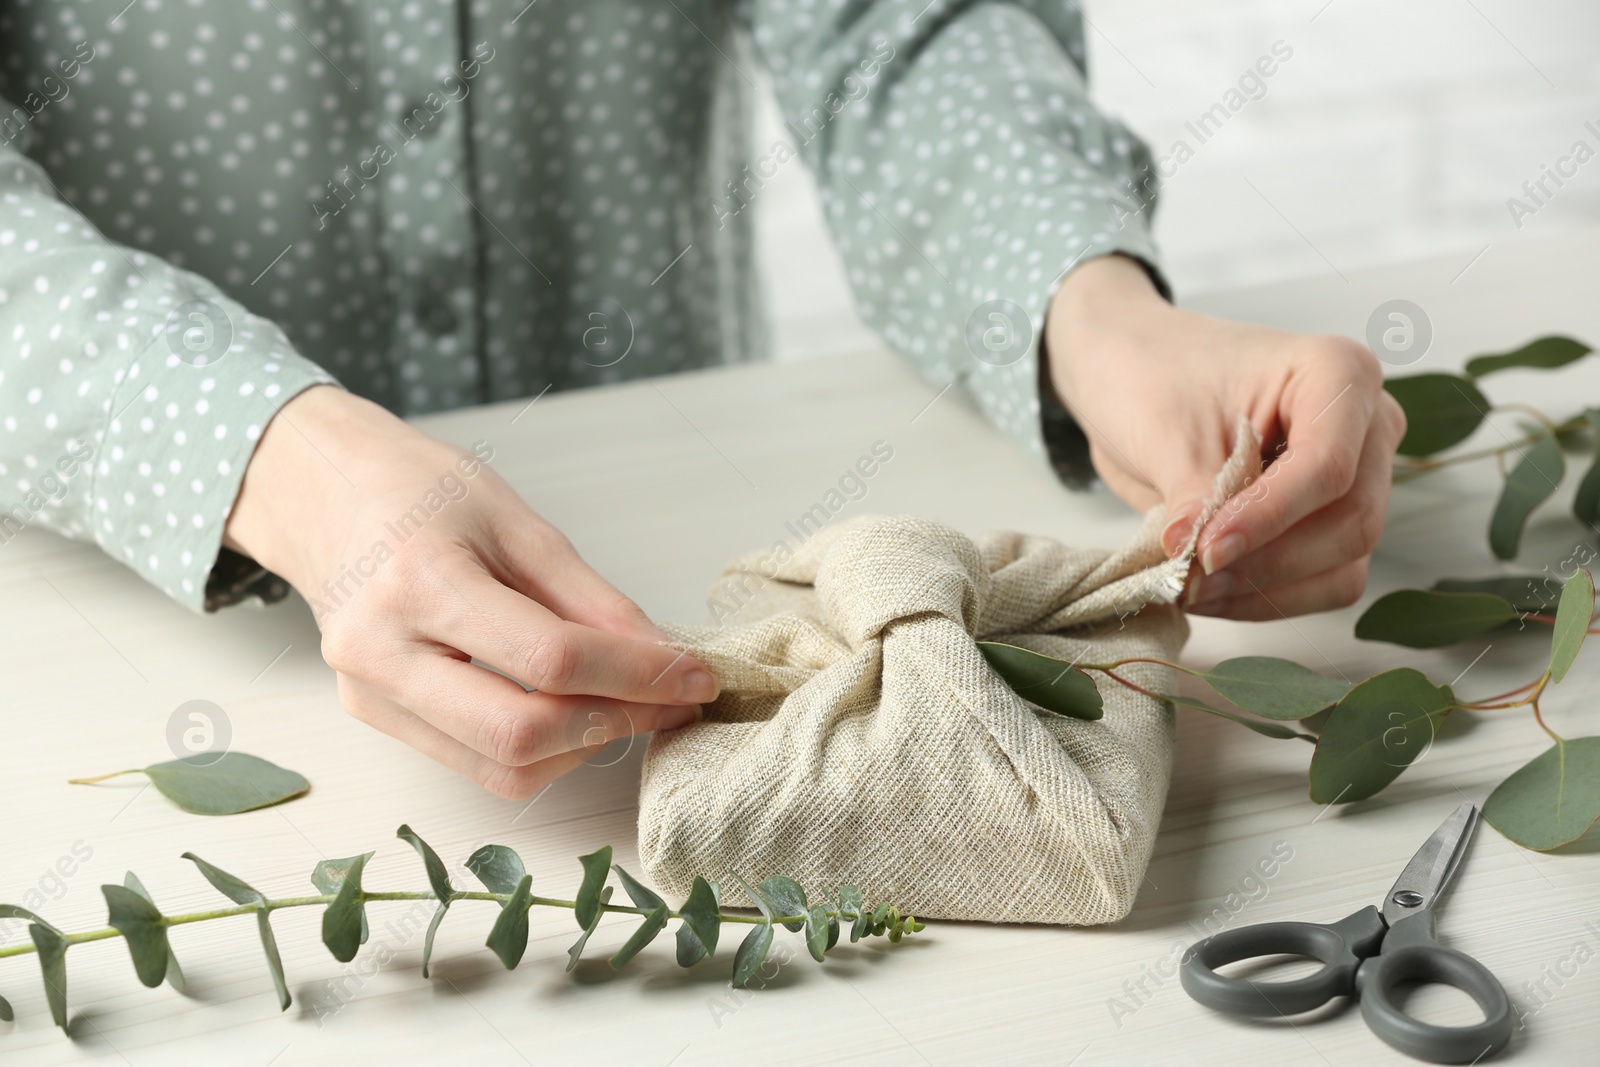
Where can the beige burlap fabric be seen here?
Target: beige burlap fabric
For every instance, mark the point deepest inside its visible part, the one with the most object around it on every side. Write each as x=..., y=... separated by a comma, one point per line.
x=862, y=738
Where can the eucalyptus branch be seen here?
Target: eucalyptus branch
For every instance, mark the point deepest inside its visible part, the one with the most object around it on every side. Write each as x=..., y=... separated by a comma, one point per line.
x=134, y=917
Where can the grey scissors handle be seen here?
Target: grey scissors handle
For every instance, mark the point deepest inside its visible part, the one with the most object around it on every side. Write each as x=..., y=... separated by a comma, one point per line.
x=1352, y=965
x=1411, y=955
x=1341, y=947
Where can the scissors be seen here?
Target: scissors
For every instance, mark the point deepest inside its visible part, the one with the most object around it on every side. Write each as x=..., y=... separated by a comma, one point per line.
x=1367, y=955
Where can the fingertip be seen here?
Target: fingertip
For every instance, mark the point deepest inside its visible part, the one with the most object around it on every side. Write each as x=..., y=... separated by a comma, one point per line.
x=1175, y=537
x=685, y=715
x=697, y=686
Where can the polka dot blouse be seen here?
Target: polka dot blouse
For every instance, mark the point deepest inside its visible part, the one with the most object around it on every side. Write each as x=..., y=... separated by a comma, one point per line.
x=207, y=206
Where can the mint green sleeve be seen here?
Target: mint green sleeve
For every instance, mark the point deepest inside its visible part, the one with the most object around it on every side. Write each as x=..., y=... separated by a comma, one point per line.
x=134, y=392
x=960, y=162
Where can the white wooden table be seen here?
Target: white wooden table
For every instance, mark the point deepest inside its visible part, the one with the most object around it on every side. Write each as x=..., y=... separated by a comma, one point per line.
x=658, y=482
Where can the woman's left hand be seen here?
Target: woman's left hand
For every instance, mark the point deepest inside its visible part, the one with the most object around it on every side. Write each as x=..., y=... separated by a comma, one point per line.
x=1157, y=390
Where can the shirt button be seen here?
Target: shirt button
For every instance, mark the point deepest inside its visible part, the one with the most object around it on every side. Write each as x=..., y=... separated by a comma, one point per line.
x=418, y=120
x=437, y=316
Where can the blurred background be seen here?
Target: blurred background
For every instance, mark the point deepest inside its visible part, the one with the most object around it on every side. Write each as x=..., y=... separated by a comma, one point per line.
x=1398, y=129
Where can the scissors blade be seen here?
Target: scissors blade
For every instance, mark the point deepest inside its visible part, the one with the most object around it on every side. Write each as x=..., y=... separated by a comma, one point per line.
x=1432, y=868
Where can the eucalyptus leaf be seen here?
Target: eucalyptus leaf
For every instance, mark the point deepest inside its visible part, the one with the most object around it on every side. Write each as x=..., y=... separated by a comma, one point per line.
x=787, y=898
x=1266, y=729
x=1544, y=353
x=752, y=951
x=818, y=922
x=344, y=924
x=509, y=937
x=438, y=879
x=576, y=951
x=139, y=922
x=1586, y=501
x=1553, y=799
x=174, y=972
x=861, y=927
x=438, y=875
x=6, y=1014
x=1378, y=729
x=1053, y=684
x=849, y=901
x=329, y=875
x=1441, y=410
x=1524, y=592
x=596, y=865
x=699, y=924
x=1572, y=622
x=761, y=902
x=653, y=924
x=52, y=951
x=241, y=893
x=1530, y=483
x=209, y=784
x=642, y=896
x=497, y=867
x=1275, y=688
x=1424, y=618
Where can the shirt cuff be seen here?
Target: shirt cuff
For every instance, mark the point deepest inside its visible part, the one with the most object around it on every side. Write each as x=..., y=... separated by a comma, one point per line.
x=180, y=431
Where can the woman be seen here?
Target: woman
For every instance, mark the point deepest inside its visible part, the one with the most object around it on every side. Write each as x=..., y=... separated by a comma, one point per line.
x=238, y=240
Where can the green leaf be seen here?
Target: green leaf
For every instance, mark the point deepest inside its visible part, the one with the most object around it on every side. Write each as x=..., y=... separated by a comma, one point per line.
x=427, y=941
x=849, y=901
x=595, y=867
x=1544, y=353
x=174, y=972
x=576, y=950
x=1441, y=410
x=497, y=867
x=761, y=901
x=1552, y=800
x=509, y=937
x=139, y=921
x=241, y=893
x=818, y=922
x=641, y=896
x=700, y=923
x=344, y=924
x=1524, y=592
x=1586, y=501
x=1053, y=684
x=1423, y=618
x=329, y=875
x=1572, y=622
x=438, y=876
x=6, y=1014
x=1266, y=729
x=862, y=926
x=209, y=784
x=1529, y=484
x=439, y=879
x=787, y=898
x=1275, y=688
x=653, y=924
x=752, y=950
x=52, y=951
x=1374, y=733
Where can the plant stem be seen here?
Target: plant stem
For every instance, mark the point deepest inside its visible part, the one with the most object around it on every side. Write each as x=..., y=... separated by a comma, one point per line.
x=328, y=898
x=103, y=777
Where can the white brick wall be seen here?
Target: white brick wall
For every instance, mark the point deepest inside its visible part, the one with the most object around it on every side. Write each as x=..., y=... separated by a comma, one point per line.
x=1397, y=129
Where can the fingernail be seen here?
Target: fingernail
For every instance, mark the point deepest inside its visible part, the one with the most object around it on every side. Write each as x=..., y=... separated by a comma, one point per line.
x=1177, y=532
x=1221, y=552
x=697, y=686
x=1217, y=586
x=1208, y=607
x=675, y=717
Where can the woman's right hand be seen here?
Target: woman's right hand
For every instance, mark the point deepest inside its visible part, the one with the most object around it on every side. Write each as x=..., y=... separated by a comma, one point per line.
x=417, y=559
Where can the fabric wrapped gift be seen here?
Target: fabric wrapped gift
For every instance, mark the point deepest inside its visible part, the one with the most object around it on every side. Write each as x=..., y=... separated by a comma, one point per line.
x=861, y=737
